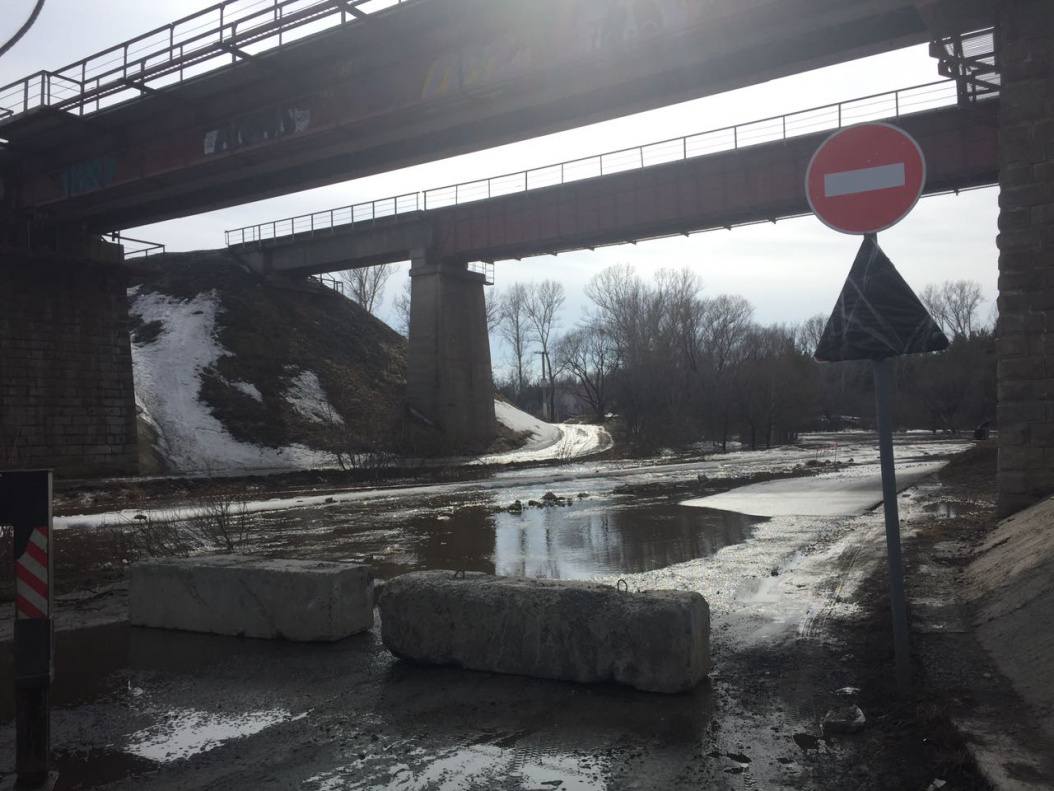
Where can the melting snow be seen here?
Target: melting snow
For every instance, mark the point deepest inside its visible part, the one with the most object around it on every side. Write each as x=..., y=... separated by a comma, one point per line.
x=187, y=733
x=547, y=440
x=168, y=382
x=249, y=390
x=309, y=399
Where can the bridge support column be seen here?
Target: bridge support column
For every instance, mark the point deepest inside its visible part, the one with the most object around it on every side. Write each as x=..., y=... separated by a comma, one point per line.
x=449, y=378
x=67, y=398
x=1026, y=255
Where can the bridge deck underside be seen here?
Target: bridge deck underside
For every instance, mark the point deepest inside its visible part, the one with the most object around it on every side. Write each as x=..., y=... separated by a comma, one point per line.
x=420, y=83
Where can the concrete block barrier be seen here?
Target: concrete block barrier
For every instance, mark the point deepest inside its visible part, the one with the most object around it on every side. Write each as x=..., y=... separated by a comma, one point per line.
x=253, y=597
x=657, y=641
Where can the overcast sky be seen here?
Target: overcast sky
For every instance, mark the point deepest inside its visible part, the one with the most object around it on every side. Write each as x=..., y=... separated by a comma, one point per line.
x=789, y=271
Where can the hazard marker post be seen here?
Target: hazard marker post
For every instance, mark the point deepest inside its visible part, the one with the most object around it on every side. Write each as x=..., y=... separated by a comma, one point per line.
x=864, y=179
x=25, y=505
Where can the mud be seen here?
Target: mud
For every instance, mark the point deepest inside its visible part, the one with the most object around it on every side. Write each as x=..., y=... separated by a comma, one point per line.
x=798, y=618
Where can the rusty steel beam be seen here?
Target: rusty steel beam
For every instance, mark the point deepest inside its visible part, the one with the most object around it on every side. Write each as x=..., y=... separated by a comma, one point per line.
x=762, y=183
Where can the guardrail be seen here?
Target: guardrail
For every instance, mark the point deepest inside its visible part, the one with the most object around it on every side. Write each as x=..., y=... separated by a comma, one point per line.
x=182, y=49
x=931, y=96
x=332, y=283
x=145, y=251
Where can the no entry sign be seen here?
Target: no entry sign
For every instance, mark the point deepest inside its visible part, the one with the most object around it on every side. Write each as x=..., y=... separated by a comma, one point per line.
x=865, y=178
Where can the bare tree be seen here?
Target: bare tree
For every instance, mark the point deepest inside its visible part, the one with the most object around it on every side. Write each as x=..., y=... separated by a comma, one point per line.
x=590, y=355
x=514, y=329
x=402, y=308
x=649, y=379
x=727, y=322
x=954, y=305
x=366, y=284
x=809, y=333
x=544, y=302
x=492, y=302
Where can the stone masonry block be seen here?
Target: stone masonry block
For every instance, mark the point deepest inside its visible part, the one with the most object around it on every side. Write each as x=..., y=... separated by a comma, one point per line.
x=575, y=631
x=1023, y=458
x=253, y=597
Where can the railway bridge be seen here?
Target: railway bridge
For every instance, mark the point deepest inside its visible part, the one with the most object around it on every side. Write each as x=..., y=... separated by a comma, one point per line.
x=248, y=100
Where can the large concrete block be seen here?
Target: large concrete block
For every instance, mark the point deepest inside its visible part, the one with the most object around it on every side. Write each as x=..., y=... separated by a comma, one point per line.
x=253, y=597
x=657, y=640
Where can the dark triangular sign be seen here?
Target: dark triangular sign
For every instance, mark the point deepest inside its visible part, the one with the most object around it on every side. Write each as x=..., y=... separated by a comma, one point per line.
x=877, y=314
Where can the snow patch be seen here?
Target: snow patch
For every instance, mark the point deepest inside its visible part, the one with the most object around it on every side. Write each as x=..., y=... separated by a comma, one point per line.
x=249, y=389
x=308, y=398
x=542, y=433
x=168, y=384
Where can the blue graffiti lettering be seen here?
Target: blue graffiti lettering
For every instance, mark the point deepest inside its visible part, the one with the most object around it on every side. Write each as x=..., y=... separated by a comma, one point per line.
x=93, y=174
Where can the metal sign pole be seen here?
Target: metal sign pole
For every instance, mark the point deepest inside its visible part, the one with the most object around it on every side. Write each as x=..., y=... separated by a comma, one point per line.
x=898, y=603
x=25, y=504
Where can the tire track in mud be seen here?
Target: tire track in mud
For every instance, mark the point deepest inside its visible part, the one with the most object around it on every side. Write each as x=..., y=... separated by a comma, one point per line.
x=850, y=561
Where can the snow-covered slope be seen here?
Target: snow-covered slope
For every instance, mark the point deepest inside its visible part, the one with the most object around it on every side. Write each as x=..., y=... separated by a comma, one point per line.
x=168, y=378
x=236, y=375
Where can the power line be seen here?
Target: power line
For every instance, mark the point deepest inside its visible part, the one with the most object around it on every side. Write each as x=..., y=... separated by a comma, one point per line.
x=24, y=29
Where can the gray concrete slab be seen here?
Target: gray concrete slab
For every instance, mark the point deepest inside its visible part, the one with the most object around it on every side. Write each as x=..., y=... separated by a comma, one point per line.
x=1008, y=588
x=253, y=597
x=575, y=631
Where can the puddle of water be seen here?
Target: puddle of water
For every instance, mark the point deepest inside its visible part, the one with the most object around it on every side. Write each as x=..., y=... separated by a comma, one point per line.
x=944, y=509
x=594, y=537
x=478, y=766
x=186, y=733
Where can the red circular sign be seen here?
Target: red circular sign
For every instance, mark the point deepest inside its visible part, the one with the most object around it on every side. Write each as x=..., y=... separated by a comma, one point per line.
x=865, y=179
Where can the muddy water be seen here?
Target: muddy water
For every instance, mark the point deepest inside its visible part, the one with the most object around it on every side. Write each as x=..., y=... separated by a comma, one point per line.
x=590, y=537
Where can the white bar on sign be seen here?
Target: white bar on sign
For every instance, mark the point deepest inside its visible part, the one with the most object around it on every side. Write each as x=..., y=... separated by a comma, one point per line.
x=852, y=182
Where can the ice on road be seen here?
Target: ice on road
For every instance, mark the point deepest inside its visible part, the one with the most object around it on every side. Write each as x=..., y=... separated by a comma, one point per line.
x=848, y=493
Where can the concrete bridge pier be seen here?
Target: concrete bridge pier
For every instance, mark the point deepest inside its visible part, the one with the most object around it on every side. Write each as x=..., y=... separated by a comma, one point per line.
x=1026, y=255
x=449, y=379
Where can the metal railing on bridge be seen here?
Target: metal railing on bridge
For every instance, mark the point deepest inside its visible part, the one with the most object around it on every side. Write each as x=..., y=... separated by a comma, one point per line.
x=186, y=48
x=882, y=106
x=137, y=248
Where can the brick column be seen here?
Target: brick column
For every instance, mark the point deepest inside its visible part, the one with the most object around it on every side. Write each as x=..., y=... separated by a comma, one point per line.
x=449, y=378
x=1026, y=255
x=67, y=398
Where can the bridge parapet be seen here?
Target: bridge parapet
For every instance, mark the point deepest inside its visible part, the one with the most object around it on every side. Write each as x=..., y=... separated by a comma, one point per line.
x=168, y=55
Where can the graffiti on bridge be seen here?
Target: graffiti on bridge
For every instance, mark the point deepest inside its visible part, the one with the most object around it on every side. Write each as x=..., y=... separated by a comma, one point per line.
x=260, y=127
x=87, y=176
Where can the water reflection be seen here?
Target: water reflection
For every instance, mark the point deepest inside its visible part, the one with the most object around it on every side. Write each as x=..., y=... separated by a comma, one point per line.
x=598, y=539
x=593, y=537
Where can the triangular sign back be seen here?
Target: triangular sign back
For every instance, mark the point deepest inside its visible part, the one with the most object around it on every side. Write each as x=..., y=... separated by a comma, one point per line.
x=877, y=314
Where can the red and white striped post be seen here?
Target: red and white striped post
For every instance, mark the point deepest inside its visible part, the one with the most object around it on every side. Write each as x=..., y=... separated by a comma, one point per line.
x=25, y=504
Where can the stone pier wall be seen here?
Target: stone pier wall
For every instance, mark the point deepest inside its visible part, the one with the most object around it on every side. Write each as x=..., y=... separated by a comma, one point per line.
x=1026, y=255
x=67, y=398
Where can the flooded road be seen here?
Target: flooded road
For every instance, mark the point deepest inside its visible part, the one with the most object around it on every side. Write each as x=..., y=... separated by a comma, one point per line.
x=137, y=708
x=587, y=537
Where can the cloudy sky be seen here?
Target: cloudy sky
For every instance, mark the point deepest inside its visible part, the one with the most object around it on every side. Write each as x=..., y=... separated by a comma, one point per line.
x=789, y=271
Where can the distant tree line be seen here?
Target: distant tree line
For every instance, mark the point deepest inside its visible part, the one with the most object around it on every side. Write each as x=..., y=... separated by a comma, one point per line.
x=678, y=366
